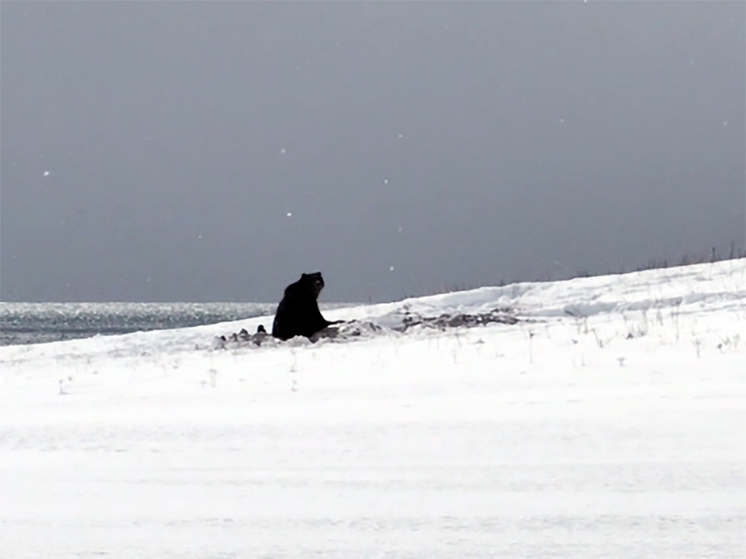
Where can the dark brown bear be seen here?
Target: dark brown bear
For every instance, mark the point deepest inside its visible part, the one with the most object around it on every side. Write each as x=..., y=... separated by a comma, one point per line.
x=298, y=313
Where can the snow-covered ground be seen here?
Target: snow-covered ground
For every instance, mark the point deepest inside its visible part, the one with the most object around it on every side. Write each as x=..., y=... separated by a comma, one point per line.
x=609, y=422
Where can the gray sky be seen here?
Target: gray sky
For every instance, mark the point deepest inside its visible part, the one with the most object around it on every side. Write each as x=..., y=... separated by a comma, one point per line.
x=460, y=143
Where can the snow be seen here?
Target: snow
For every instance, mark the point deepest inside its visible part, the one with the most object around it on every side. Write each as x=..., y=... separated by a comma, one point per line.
x=608, y=422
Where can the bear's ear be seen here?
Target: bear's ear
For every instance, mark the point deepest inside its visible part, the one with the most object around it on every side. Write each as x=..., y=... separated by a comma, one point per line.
x=304, y=275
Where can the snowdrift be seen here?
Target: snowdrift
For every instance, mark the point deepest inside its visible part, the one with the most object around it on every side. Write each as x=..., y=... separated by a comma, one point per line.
x=599, y=417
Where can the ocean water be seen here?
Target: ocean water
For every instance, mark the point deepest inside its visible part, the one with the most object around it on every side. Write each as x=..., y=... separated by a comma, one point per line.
x=30, y=323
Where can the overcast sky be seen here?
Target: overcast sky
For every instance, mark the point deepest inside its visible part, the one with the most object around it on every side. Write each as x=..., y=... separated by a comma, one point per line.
x=213, y=151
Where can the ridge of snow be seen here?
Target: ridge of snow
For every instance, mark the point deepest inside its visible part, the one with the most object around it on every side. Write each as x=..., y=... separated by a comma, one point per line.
x=688, y=288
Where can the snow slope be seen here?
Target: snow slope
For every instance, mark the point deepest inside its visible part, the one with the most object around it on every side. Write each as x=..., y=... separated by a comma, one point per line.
x=609, y=422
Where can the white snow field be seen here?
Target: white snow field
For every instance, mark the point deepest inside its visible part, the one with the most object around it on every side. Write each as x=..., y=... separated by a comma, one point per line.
x=609, y=422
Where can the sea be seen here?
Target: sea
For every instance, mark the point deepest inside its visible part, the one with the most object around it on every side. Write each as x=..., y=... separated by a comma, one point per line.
x=33, y=323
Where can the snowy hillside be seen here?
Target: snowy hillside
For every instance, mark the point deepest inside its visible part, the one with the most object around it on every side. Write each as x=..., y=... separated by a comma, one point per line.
x=608, y=421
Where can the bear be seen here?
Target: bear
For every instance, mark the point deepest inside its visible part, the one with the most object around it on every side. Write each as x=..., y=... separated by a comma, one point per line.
x=298, y=313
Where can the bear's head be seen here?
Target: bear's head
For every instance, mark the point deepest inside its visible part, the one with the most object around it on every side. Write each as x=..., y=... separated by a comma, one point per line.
x=314, y=282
